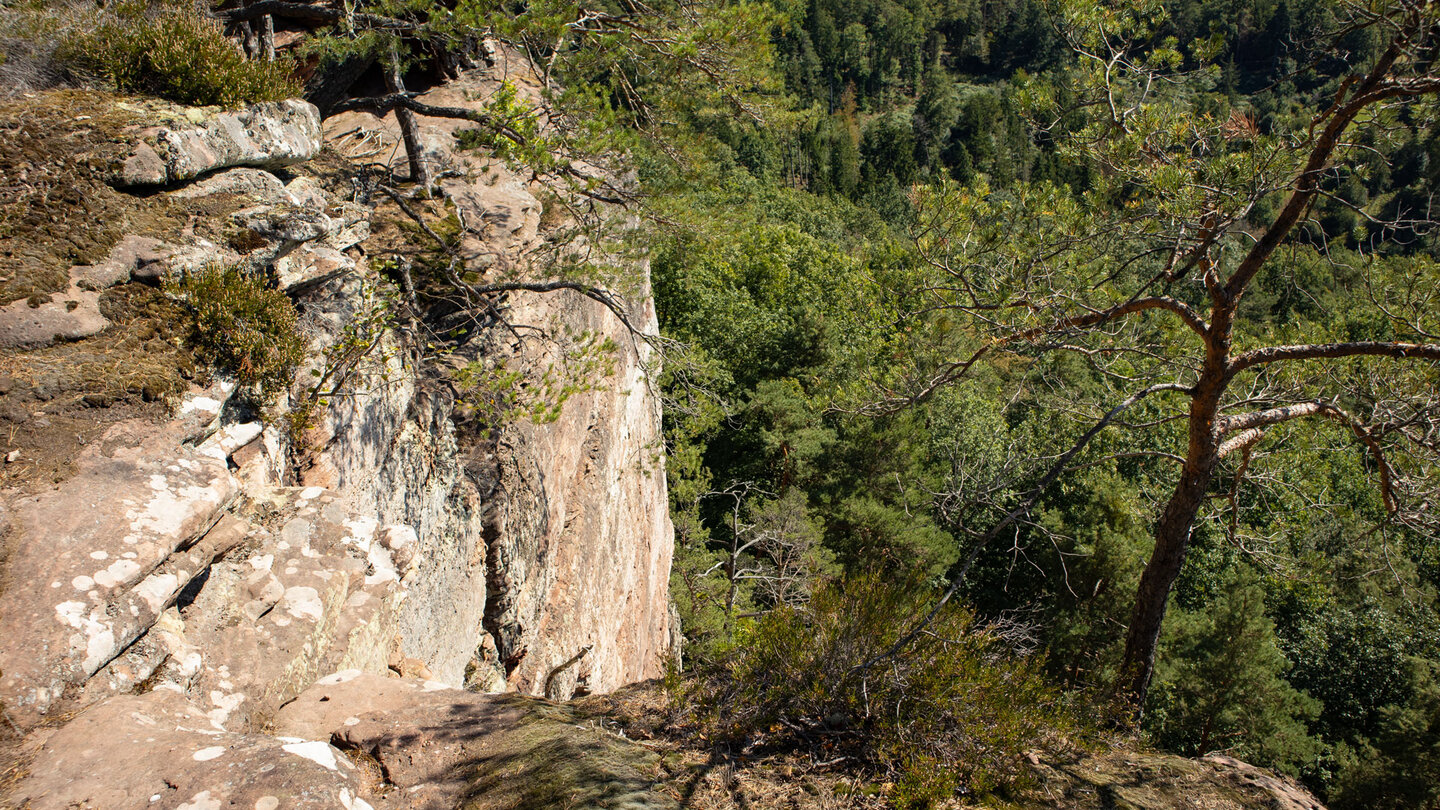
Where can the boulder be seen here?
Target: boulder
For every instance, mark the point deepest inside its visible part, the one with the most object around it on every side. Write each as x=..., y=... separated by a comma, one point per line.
x=268, y=135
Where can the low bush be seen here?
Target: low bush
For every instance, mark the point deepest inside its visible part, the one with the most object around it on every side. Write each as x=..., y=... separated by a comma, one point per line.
x=176, y=51
x=240, y=326
x=954, y=711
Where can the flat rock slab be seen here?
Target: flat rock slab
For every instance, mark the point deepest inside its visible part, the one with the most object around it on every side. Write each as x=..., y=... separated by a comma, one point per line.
x=75, y=313
x=268, y=135
x=70, y=315
x=96, y=559
x=314, y=591
x=1140, y=780
x=158, y=750
x=441, y=747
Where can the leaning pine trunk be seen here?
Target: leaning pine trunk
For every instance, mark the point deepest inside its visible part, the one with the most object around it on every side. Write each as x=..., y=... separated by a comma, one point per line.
x=1172, y=532
x=1172, y=539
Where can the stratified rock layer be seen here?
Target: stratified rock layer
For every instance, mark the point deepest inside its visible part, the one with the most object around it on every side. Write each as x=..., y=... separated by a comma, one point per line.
x=270, y=136
x=101, y=557
x=171, y=601
x=353, y=741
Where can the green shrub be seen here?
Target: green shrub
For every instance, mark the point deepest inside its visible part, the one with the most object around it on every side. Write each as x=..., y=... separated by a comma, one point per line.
x=174, y=51
x=490, y=392
x=240, y=326
x=953, y=711
x=1221, y=685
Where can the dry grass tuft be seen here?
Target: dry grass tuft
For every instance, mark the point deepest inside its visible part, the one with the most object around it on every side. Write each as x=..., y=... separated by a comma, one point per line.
x=57, y=150
x=30, y=34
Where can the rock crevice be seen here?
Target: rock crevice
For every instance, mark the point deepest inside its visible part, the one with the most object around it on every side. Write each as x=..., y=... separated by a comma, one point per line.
x=171, y=599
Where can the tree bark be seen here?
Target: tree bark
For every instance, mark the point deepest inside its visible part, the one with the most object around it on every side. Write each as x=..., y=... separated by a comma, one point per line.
x=248, y=37
x=409, y=129
x=1172, y=532
x=1172, y=540
x=267, y=38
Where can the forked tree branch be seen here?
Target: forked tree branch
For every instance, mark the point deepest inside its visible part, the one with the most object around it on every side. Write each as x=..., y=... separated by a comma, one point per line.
x=1251, y=430
x=408, y=101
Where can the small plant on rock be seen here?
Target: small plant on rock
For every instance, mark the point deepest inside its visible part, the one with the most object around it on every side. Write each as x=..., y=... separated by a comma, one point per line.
x=176, y=51
x=491, y=391
x=239, y=325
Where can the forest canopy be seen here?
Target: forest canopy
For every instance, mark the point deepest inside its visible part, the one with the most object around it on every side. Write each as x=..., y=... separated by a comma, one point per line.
x=1114, y=322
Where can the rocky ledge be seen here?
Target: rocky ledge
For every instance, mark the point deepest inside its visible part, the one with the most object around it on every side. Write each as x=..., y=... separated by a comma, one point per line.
x=183, y=564
x=358, y=599
x=354, y=741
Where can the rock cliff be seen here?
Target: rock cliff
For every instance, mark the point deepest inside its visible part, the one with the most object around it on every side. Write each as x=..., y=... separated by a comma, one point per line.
x=183, y=559
x=347, y=594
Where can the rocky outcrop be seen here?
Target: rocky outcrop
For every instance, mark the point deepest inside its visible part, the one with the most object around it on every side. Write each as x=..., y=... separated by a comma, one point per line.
x=104, y=555
x=169, y=597
x=559, y=562
x=439, y=748
x=577, y=597
x=193, y=143
x=270, y=135
x=75, y=313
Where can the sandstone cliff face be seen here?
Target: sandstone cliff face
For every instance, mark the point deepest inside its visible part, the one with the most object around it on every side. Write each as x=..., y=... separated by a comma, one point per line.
x=199, y=566
x=604, y=447
x=565, y=578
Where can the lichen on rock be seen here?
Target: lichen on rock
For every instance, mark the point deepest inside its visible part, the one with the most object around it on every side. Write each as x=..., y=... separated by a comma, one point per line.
x=196, y=557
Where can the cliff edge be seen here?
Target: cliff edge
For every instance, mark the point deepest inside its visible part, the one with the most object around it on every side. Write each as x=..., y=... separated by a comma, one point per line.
x=184, y=556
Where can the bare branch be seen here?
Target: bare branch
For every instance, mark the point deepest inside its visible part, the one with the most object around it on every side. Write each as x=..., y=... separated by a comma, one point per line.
x=1315, y=351
x=1307, y=182
x=408, y=101
x=1258, y=419
x=1251, y=427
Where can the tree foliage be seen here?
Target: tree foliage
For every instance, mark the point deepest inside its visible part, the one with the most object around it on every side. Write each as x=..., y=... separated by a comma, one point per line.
x=1164, y=212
